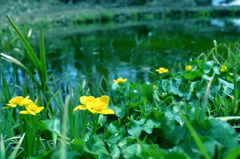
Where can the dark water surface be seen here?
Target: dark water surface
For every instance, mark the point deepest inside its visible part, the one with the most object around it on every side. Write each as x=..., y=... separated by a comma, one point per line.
x=130, y=51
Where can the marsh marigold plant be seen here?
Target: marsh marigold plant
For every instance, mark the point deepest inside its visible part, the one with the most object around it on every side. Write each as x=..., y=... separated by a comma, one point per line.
x=30, y=107
x=95, y=105
x=18, y=101
x=162, y=70
x=223, y=68
x=84, y=100
x=119, y=80
x=188, y=68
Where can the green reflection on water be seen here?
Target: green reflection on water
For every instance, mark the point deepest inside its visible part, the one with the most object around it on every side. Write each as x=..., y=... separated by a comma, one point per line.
x=130, y=51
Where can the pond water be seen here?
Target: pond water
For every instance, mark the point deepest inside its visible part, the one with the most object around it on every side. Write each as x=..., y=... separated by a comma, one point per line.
x=130, y=52
x=133, y=51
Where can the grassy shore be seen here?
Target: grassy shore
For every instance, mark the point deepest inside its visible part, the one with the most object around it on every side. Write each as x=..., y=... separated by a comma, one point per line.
x=191, y=113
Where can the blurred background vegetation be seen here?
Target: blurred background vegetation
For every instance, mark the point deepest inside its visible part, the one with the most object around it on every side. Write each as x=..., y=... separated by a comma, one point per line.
x=85, y=36
x=164, y=3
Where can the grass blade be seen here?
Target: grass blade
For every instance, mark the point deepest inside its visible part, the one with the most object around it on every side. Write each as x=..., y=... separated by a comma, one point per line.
x=14, y=153
x=42, y=56
x=15, y=61
x=195, y=136
x=2, y=148
x=205, y=100
x=64, y=129
x=27, y=46
x=235, y=92
x=226, y=118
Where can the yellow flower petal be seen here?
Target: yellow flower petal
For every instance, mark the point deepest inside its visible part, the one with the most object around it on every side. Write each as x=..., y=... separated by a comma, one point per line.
x=76, y=108
x=104, y=101
x=85, y=99
x=16, y=100
x=95, y=107
x=93, y=111
x=30, y=104
x=31, y=112
x=12, y=105
x=188, y=68
x=90, y=105
x=80, y=107
x=162, y=70
x=25, y=101
x=107, y=111
x=24, y=112
x=223, y=68
x=119, y=80
x=39, y=109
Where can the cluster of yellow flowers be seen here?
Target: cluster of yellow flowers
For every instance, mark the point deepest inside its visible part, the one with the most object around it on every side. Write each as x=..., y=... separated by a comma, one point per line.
x=188, y=68
x=30, y=107
x=95, y=105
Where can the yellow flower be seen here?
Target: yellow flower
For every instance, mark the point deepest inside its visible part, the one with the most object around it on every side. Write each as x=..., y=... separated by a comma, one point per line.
x=188, y=68
x=162, y=70
x=100, y=105
x=18, y=101
x=223, y=68
x=84, y=100
x=32, y=109
x=119, y=80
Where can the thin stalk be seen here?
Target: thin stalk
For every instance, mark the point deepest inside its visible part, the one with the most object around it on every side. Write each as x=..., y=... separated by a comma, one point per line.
x=2, y=147
x=205, y=101
x=95, y=118
x=236, y=94
x=64, y=129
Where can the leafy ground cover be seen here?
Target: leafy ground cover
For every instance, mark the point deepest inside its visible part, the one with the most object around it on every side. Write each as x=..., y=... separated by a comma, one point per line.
x=191, y=113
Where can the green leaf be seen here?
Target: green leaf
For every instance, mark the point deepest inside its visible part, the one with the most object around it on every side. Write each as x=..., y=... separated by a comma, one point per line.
x=52, y=125
x=234, y=154
x=133, y=151
x=43, y=155
x=150, y=124
x=219, y=131
x=134, y=127
x=115, y=151
x=193, y=75
x=94, y=146
x=173, y=124
x=146, y=91
x=153, y=151
x=117, y=111
x=158, y=115
x=190, y=147
x=112, y=128
x=27, y=46
x=78, y=145
x=200, y=63
x=176, y=154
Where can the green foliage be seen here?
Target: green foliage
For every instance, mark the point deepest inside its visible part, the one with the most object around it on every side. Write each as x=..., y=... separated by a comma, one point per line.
x=178, y=115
